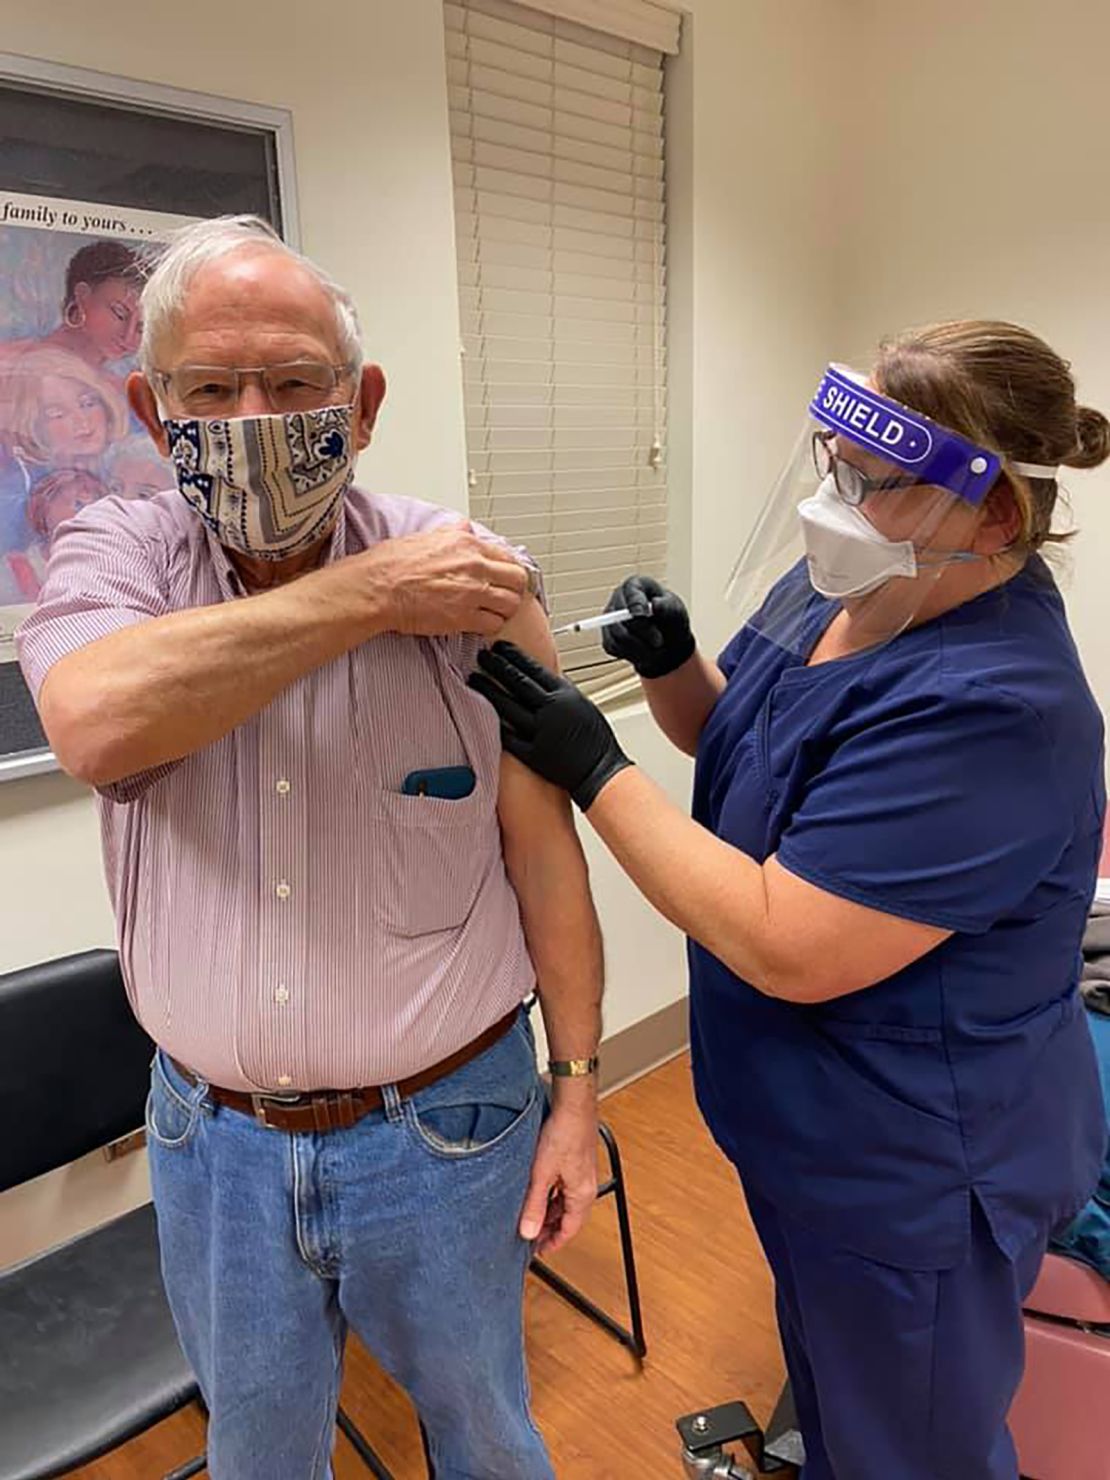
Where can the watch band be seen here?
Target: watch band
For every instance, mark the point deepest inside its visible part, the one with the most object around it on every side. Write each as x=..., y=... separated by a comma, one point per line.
x=572, y=1068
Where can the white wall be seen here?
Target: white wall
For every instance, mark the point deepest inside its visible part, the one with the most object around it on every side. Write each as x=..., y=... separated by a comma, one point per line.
x=976, y=186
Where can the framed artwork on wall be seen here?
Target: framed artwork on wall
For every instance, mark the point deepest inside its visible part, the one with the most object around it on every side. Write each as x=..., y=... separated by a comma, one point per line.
x=97, y=171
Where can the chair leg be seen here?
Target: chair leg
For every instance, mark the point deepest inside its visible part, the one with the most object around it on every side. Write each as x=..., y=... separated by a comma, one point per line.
x=632, y=1339
x=427, y=1453
x=361, y=1445
x=628, y=1253
x=188, y=1470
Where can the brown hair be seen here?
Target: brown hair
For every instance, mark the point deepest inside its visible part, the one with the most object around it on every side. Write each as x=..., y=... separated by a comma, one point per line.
x=1006, y=389
x=100, y=261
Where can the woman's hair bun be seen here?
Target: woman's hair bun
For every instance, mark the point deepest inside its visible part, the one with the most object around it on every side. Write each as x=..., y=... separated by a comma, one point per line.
x=1092, y=437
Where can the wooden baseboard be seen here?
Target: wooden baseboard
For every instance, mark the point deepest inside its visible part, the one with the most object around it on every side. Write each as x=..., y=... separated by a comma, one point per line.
x=645, y=1045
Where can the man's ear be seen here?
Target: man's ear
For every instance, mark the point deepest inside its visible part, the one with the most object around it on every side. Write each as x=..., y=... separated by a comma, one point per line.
x=1000, y=526
x=141, y=399
x=371, y=394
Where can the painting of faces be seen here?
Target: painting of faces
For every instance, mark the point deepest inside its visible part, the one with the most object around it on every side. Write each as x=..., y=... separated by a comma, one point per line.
x=70, y=324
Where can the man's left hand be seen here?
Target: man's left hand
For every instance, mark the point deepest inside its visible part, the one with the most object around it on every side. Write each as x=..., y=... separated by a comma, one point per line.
x=563, y=1185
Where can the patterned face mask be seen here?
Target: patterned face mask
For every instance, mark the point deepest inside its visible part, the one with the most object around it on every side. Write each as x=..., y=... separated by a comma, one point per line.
x=267, y=486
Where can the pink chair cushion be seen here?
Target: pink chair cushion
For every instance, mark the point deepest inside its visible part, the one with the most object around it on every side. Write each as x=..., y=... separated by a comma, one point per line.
x=1058, y=1418
x=1067, y=1288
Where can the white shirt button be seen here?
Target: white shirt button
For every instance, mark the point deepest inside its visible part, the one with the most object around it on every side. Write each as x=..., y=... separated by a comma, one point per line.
x=284, y=1081
x=283, y=890
x=281, y=994
x=283, y=788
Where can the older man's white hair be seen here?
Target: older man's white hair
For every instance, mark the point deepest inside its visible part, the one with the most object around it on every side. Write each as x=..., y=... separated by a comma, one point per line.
x=194, y=247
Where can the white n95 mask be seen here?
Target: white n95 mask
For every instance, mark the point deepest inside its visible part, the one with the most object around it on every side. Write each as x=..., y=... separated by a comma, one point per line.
x=846, y=554
x=267, y=486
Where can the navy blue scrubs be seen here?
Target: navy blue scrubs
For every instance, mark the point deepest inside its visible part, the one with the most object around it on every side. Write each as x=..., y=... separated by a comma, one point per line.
x=906, y=1150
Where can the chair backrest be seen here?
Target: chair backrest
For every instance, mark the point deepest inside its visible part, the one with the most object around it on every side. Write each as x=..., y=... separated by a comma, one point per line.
x=1070, y=1291
x=74, y=1063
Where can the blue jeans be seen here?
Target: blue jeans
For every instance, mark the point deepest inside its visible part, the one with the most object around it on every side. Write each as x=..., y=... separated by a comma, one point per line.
x=403, y=1227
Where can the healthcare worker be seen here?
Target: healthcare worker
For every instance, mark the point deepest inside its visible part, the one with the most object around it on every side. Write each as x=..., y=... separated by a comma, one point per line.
x=898, y=808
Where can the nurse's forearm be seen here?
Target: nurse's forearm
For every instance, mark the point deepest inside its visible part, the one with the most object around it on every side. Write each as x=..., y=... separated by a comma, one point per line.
x=786, y=937
x=681, y=701
x=710, y=890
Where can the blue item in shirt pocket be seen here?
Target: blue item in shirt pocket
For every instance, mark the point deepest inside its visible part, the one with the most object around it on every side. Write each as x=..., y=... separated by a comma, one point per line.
x=452, y=783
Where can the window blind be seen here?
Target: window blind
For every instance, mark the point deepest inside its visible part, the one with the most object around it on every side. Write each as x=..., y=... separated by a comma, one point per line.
x=557, y=145
x=647, y=21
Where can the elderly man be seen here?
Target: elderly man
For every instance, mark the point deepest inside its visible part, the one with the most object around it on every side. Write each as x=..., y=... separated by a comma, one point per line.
x=332, y=891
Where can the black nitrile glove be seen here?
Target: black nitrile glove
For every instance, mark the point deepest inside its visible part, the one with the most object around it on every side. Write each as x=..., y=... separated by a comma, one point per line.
x=657, y=639
x=549, y=724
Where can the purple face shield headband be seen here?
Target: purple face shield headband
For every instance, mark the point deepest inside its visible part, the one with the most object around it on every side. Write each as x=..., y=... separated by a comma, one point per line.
x=915, y=444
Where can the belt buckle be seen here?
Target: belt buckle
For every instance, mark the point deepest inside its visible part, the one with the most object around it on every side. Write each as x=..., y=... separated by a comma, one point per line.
x=259, y=1103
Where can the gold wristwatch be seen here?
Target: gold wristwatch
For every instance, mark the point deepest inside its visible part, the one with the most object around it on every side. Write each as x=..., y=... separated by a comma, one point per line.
x=572, y=1068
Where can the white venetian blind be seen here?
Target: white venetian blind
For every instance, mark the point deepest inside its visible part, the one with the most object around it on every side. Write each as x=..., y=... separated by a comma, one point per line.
x=557, y=141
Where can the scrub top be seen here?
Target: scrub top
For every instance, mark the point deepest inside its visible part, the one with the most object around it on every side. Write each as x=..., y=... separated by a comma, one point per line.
x=953, y=776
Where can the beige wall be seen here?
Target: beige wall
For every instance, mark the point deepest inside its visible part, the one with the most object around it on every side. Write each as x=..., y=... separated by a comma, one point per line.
x=841, y=168
x=374, y=181
x=975, y=185
x=952, y=168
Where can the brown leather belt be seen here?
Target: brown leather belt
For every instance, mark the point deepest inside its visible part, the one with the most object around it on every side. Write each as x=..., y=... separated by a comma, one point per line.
x=334, y=1109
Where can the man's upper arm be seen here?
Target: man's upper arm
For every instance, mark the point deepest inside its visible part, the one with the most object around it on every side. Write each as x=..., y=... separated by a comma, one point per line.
x=531, y=631
x=528, y=806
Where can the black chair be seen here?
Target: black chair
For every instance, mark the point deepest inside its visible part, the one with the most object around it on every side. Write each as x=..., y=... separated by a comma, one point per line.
x=88, y=1353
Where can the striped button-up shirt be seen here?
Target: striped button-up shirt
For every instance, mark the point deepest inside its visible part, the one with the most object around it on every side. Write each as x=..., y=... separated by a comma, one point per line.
x=287, y=918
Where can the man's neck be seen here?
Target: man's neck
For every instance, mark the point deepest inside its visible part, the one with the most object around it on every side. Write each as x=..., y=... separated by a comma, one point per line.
x=263, y=575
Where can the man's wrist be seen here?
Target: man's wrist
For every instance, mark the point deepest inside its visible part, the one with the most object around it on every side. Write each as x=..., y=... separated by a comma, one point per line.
x=575, y=1095
x=365, y=599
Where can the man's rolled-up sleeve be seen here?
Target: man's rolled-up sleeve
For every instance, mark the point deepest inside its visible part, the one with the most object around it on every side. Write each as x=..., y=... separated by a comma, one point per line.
x=105, y=573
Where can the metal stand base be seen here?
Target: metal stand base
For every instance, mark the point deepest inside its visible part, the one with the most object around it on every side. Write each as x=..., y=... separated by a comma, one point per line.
x=613, y=1187
x=783, y=1450
x=705, y=1434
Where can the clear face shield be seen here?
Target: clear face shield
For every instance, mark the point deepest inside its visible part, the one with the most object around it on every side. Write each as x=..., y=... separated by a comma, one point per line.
x=875, y=503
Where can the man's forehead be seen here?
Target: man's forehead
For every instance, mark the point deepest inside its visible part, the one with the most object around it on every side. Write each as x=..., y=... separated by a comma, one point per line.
x=257, y=292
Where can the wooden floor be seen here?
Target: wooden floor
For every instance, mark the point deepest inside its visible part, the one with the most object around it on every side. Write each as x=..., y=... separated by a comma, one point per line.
x=706, y=1297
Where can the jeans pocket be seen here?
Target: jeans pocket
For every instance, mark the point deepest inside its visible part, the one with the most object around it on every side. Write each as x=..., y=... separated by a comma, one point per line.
x=481, y=1106
x=171, y=1118
x=465, y=1130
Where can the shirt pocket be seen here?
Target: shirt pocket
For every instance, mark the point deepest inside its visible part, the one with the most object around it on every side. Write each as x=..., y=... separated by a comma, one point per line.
x=434, y=857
